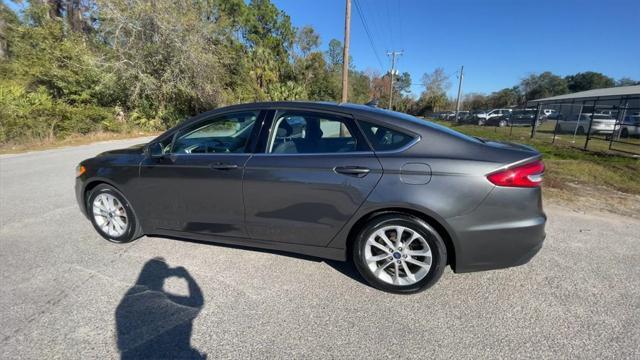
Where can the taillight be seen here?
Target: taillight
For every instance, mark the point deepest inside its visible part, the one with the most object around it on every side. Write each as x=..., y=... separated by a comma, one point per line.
x=527, y=175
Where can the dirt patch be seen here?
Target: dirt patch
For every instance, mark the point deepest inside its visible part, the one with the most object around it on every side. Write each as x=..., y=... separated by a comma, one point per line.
x=587, y=199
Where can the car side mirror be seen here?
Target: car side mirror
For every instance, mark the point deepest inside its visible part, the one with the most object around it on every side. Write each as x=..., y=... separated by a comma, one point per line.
x=154, y=150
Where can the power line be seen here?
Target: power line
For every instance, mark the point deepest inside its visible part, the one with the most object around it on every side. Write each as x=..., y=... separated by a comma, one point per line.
x=373, y=15
x=366, y=30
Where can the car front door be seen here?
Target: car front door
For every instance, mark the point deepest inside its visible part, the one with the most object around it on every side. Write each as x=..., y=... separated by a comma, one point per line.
x=195, y=185
x=314, y=172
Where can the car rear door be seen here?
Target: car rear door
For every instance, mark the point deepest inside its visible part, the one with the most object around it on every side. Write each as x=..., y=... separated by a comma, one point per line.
x=196, y=187
x=313, y=171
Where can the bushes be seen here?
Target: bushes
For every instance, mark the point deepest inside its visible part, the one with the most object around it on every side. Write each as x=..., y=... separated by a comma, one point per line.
x=35, y=115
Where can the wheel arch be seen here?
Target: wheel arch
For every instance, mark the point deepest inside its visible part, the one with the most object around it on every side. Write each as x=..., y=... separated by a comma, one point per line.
x=437, y=225
x=93, y=183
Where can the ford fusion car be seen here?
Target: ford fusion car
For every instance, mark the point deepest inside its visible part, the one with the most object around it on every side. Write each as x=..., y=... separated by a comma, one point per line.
x=400, y=197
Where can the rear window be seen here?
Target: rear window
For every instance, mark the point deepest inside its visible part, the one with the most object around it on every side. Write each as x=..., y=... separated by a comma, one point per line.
x=384, y=139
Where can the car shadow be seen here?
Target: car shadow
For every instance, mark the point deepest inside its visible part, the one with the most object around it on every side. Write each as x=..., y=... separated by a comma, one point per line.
x=154, y=324
x=346, y=268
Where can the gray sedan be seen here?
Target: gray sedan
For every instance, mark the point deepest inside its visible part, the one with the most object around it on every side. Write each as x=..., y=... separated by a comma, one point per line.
x=400, y=197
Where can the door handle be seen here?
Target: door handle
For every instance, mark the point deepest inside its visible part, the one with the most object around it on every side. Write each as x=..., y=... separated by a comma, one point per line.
x=223, y=166
x=357, y=171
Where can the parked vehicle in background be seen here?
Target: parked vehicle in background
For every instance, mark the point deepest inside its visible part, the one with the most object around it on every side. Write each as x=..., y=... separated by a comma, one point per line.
x=602, y=124
x=484, y=116
x=548, y=113
x=471, y=118
x=448, y=115
x=630, y=126
x=611, y=113
x=400, y=197
x=555, y=116
x=461, y=115
x=516, y=118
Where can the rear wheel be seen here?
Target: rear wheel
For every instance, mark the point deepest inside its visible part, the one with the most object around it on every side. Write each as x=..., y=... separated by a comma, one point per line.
x=400, y=254
x=111, y=215
x=624, y=133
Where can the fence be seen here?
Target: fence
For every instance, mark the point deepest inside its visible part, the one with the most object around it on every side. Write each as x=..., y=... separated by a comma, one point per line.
x=594, y=124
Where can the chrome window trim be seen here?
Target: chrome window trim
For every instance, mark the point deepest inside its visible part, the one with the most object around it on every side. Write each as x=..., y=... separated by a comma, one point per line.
x=317, y=154
x=403, y=148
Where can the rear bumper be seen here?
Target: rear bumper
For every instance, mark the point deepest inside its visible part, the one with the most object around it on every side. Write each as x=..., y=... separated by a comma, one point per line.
x=508, y=229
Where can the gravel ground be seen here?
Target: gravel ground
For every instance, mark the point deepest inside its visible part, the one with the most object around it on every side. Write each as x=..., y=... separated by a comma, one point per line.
x=66, y=293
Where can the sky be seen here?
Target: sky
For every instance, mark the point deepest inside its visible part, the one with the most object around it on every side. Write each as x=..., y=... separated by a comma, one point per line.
x=498, y=41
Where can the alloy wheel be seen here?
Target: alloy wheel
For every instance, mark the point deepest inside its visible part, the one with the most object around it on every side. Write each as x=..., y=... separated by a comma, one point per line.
x=398, y=255
x=110, y=215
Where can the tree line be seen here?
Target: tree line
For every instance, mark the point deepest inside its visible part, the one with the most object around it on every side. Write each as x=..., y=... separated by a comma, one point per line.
x=78, y=66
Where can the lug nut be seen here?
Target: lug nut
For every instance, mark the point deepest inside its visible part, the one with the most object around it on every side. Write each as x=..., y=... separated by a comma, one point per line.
x=399, y=262
x=404, y=256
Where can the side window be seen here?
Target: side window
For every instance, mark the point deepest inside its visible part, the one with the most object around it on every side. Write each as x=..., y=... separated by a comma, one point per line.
x=383, y=138
x=309, y=133
x=222, y=134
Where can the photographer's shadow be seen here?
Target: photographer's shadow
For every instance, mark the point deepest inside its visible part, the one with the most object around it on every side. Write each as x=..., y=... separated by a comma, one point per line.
x=154, y=324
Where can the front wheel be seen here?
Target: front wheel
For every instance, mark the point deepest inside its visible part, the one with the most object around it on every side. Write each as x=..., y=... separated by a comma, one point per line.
x=112, y=215
x=502, y=123
x=399, y=254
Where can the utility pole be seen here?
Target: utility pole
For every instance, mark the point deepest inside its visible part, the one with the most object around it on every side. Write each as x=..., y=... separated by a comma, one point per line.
x=459, y=91
x=393, y=55
x=345, y=53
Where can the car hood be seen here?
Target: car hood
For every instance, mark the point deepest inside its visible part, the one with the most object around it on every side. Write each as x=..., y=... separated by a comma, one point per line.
x=132, y=150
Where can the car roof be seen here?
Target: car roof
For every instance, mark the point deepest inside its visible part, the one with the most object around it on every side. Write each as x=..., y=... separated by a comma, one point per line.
x=346, y=108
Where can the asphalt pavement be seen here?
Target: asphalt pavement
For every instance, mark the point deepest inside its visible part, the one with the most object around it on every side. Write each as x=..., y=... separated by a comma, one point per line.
x=66, y=293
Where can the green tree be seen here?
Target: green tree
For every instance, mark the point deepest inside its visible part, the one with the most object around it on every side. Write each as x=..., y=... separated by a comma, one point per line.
x=625, y=81
x=307, y=40
x=436, y=85
x=588, y=80
x=504, y=98
x=475, y=101
x=541, y=86
x=167, y=59
x=334, y=54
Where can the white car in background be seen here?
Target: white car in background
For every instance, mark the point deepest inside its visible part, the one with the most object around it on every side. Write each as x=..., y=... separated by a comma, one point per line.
x=630, y=126
x=602, y=124
x=484, y=116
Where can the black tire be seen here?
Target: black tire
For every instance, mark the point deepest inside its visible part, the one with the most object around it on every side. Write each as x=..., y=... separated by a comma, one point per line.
x=624, y=133
x=432, y=237
x=132, y=231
